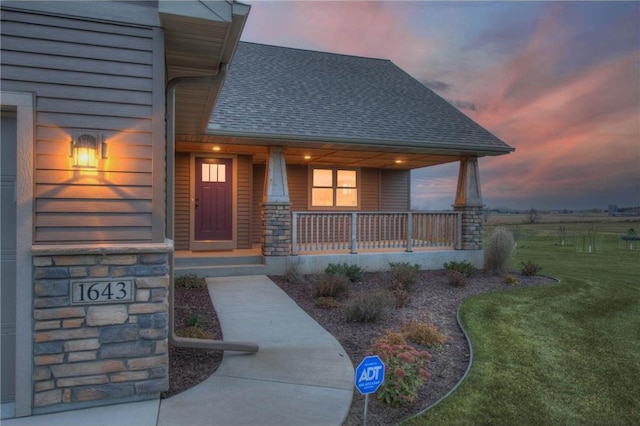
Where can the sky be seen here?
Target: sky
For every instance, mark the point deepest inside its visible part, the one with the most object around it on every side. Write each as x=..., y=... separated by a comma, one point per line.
x=557, y=81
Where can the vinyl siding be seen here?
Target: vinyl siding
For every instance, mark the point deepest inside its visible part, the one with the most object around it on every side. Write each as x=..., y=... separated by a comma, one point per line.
x=99, y=76
x=182, y=209
x=394, y=190
x=256, y=208
x=244, y=199
x=369, y=189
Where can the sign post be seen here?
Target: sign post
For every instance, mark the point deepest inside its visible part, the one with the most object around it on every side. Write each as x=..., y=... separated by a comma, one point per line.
x=369, y=377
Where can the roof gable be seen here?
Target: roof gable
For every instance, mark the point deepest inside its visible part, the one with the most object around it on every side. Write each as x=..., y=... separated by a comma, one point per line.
x=278, y=92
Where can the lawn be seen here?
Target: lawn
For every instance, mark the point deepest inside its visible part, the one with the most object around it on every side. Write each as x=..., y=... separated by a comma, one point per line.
x=563, y=354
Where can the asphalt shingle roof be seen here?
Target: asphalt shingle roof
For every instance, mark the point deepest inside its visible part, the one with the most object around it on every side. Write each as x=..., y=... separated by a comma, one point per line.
x=276, y=92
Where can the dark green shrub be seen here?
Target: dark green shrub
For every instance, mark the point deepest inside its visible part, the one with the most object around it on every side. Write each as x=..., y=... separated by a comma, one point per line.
x=530, y=269
x=190, y=281
x=330, y=285
x=353, y=272
x=498, y=251
x=457, y=279
x=404, y=275
x=463, y=267
x=194, y=320
x=368, y=307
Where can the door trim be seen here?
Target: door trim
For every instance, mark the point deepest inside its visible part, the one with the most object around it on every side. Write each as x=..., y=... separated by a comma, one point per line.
x=213, y=244
x=24, y=107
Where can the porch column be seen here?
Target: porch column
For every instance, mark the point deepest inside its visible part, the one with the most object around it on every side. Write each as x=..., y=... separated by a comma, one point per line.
x=276, y=211
x=469, y=203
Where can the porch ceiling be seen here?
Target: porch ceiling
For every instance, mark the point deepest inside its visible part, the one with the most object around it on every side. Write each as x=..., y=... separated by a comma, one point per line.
x=198, y=36
x=329, y=155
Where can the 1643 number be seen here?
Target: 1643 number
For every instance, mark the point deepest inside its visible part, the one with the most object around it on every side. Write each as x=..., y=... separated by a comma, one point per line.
x=101, y=291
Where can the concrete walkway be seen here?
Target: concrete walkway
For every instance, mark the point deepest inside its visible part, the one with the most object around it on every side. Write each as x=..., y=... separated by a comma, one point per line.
x=301, y=375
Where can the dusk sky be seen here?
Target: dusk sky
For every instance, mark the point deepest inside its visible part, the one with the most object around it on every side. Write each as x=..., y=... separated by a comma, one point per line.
x=558, y=81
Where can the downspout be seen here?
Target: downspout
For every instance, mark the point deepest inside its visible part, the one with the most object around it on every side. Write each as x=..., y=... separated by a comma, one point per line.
x=184, y=342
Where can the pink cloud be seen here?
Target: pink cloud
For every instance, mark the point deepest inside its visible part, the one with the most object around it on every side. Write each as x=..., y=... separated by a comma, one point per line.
x=369, y=29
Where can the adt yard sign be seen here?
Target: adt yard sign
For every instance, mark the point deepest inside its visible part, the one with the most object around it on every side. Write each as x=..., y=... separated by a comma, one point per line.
x=369, y=374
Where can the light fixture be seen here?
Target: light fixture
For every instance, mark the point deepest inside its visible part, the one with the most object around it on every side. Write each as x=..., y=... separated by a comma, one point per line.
x=307, y=157
x=399, y=161
x=86, y=149
x=216, y=148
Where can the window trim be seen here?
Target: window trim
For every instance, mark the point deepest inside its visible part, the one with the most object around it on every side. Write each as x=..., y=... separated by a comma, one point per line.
x=334, y=170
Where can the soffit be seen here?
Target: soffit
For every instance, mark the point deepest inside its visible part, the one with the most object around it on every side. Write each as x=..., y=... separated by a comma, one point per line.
x=324, y=157
x=198, y=37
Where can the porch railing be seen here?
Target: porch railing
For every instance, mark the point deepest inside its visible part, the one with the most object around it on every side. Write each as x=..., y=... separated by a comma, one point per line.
x=353, y=231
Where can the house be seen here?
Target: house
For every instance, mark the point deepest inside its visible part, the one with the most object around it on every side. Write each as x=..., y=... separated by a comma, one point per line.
x=114, y=162
x=85, y=253
x=312, y=152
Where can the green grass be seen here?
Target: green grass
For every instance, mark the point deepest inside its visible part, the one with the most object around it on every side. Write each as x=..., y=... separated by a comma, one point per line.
x=561, y=354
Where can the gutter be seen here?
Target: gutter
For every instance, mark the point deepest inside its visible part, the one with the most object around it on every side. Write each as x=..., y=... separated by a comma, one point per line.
x=170, y=97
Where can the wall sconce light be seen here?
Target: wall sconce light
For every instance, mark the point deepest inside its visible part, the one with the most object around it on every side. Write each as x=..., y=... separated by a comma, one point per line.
x=86, y=149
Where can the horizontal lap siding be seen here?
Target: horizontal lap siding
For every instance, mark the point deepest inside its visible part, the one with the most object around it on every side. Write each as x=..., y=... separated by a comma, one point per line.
x=370, y=189
x=395, y=191
x=244, y=199
x=95, y=76
x=256, y=210
x=182, y=196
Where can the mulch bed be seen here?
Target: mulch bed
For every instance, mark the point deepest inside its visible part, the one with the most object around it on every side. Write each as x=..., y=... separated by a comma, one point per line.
x=432, y=300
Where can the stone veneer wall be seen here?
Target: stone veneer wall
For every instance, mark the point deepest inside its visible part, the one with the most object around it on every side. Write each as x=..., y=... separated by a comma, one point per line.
x=472, y=232
x=276, y=234
x=96, y=354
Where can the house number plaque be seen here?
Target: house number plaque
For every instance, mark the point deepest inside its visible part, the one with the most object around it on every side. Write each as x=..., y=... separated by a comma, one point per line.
x=101, y=291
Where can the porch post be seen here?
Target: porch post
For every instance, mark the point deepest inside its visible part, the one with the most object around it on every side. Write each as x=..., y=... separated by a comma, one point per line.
x=469, y=203
x=276, y=211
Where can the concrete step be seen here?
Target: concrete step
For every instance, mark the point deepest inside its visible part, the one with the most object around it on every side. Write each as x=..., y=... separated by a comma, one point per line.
x=213, y=260
x=221, y=270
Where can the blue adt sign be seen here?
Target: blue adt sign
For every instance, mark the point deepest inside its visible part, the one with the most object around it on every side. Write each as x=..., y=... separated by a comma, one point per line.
x=369, y=374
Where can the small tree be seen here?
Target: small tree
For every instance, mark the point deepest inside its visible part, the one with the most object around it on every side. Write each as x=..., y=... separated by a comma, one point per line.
x=533, y=216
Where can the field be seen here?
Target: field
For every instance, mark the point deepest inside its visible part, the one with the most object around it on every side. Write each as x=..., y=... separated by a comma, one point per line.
x=563, y=354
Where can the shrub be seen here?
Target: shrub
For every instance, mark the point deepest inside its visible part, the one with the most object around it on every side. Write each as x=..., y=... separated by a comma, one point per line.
x=330, y=285
x=292, y=273
x=404, y=274
x=190, y=281
x=353, y=272
x=498, y=251
x=510, y=280
x=457, y=279
x=405, y=372
x=530, y=269
x=327, y=303
x=367, y=307
x=401, y=296
x=194, y=320
x=195, y=332
x=425, y=334
x=391, y=338
x=463, y=267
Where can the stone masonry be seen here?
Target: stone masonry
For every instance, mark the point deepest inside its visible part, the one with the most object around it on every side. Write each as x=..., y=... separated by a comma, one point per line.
x=471, y=227
x=95, y=354
x=276, y=233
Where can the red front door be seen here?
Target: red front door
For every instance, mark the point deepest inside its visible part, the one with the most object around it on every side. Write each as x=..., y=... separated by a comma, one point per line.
x=213, y=199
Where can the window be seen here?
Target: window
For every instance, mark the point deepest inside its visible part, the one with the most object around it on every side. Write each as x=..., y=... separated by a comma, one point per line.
x=334, y=188
x=214, y=172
